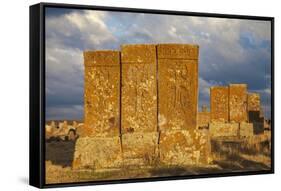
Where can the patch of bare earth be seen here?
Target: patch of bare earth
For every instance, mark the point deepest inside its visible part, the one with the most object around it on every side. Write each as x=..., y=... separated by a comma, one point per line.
x=228, y=156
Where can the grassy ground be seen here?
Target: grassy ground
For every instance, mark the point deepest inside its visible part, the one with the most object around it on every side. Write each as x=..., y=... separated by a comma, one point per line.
x=228, y=156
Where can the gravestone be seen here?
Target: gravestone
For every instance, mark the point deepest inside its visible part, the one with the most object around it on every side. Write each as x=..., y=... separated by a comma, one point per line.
x=99, y=143
x=219, y=104
x=178, y=85
x=102, y=92
x=139, y=88
x=254, y=107
x=238, y=103
x=180, y=142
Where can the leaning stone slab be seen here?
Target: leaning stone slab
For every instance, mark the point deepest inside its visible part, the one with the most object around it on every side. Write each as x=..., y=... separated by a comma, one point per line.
x=184, y=147
x=140, y=148
x=220, y=129
x=97, y=153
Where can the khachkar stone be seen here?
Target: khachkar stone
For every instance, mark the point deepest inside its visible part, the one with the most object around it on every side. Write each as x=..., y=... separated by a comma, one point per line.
x=102, y=92
x=238, y=103
x=219, y=104
x=139, y=105
x=139, y=88
x=99, y=146
x=180, y=142
x=178, y=86
x=253, y=102
x=254, y=107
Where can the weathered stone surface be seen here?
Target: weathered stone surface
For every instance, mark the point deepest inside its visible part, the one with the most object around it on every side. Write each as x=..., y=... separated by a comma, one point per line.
x=141, y=148
x=254, y=107
x=139, y=88
x=246, y=129
x=102, y=92
x=177, y=86
x=178, y=51
x=238, y=103
x=97, y=153
x=203, y=119
x=102, y=58
x=183, y=147
x=220, y=129
x=253, y=102
x=219, y=104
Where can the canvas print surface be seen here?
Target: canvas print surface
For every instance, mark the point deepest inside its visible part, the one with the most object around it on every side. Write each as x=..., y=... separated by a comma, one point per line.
x=139, y=95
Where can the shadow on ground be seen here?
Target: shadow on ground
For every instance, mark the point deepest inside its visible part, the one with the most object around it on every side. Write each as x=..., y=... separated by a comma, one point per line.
x=60, y=152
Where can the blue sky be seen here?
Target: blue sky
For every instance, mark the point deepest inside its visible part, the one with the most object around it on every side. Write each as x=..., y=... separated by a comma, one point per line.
x=231, y=51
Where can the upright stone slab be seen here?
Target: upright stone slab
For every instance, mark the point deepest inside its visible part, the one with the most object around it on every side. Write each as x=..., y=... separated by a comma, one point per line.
x=219, y=104
x=139, y=88
x=177, y=86
x=102, y=92
x=180, y=142
x=254, y=107
x=253, y=102
x=238, y=103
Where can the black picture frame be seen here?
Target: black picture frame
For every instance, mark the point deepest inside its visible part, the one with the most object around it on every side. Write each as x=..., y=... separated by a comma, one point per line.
x=37, y=93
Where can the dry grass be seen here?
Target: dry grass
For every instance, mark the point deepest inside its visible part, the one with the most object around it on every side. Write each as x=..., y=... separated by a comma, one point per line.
x=229, y=155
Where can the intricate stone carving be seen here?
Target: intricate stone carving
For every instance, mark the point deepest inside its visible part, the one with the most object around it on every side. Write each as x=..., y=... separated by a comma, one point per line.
x=178, y=86
x=219, y=104
x=253, y=102
x=139, y=90
x=178, y=51
x=102, y=92
x=238, y=103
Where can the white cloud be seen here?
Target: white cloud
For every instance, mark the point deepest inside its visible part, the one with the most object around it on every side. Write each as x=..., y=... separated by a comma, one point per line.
x=205, y=86
x=88, y=27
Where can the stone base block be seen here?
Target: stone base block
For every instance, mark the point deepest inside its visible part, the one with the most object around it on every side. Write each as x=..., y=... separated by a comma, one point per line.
x=218, y=129
x=183, y=147
x=258, y=128
x=140, y=148
x=246, y=129
x=97, y=153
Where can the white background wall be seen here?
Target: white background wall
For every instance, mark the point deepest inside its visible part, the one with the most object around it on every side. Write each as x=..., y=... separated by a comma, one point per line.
x=14, y=91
